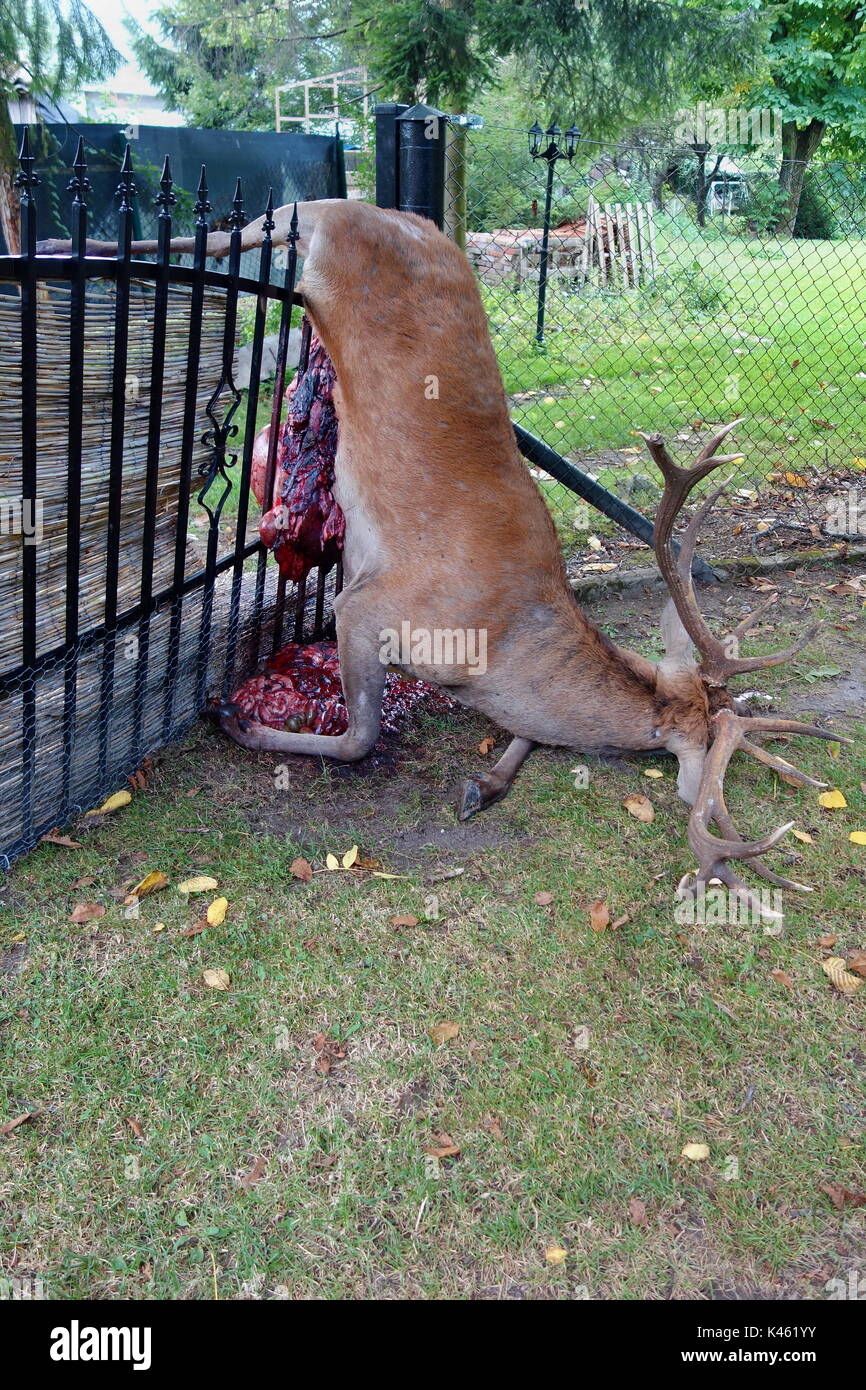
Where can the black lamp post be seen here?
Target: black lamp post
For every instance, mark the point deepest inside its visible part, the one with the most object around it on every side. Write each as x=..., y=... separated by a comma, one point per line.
x=551, y=153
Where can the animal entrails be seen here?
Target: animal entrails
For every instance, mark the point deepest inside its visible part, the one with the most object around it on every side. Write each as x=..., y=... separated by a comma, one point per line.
x=447, y=531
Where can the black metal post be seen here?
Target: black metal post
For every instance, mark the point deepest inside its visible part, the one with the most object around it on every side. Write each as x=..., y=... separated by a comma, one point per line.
x=421, y=167
x=550, y=154
x=542, y=269
x=387, y=172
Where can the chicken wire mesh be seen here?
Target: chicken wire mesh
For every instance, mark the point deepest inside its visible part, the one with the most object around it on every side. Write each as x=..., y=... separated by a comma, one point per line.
x=675, y=302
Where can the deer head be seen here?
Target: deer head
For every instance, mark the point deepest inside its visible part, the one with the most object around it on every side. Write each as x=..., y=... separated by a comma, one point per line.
x=702, y=768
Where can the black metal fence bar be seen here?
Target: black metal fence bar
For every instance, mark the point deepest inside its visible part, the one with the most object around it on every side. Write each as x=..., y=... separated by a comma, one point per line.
x=79, y=186
x=290, y=298
x=166, y=200
x=126, y=193
x=202, y=208
x=223, y=430
x=29, y=492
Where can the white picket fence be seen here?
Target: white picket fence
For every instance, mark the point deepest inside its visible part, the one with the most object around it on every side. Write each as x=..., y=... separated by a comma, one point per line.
x=619, y=247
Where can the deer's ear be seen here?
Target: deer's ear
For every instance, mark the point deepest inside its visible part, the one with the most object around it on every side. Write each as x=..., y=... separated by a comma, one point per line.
x=679, y=650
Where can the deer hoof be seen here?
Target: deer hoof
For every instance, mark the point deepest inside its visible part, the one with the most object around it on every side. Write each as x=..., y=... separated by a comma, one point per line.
x=478, y=792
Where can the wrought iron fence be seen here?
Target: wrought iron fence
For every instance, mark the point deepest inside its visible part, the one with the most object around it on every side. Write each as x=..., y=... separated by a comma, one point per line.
x=661, y=292
x=133, y=580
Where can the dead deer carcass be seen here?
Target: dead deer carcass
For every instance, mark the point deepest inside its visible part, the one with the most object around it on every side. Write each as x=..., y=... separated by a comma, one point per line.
x=446, y=532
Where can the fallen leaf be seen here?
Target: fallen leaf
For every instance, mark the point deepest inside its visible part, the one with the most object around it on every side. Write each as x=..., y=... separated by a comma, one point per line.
x=406, y=921
x=544, y=899
x=653, y=772
x=87, y=912
x=256, y=1173
x=350, y=857
x=620, y=922
x=8, y=1127
x=640, y=807
x=843, y=1197
x=783, y=978
x=443, y=1032
x=794, y=479
x=302, y=869
x=195, y=928
x=152, y=883
x=555, y=1255
x=113, y=803
x=845, y=982
x=216, y=913
x=599, y=914
x=637, y=1211
x=858, y=837
x=696, y=1152
x=857, y=962
x=832, y=801
x=827, y=941
x=135, y=1127
x=486, y=746
x=216, y=979
x=54, y=837
x=201, y=883
x=331, y=861
x=443, y=1146
x=803, y=836
x=494, y=1127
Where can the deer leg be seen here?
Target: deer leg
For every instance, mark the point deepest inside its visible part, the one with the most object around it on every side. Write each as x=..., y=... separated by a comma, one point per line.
x=482, y=789
x=363, y=676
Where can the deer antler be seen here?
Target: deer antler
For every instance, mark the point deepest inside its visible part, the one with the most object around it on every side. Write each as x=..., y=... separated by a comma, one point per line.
x=717, y=664
x=712, y=851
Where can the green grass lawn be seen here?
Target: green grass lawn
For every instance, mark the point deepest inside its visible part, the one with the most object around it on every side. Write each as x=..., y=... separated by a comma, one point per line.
x=773, y=331
x=274, y=1139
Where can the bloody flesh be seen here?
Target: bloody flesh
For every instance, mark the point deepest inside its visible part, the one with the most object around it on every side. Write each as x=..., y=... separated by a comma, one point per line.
x=304, y=526
x=300, y=690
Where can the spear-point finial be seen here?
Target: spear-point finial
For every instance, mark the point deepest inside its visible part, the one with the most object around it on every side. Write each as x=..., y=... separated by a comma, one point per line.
x=202, y=204
x=237, y=217
x=165, y=198
x=269, y=223
x=79, y=184
x=293, y=225
x=126, y=189
x=26, y=178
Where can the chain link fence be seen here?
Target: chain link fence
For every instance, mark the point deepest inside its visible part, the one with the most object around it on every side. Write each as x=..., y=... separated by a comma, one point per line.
x=673, y=301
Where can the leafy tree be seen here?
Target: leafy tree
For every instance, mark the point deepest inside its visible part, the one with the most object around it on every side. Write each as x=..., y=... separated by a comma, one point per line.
x=51, y=47
x=813, y=72
x=220, y=60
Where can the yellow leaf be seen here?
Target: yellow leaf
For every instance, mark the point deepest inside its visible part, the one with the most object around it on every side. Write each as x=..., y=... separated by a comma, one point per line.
x=858, y=837
x=834, y=749
x=216, y=913
x=639, y=806
x=653, y=772
x=216, y=979
x=555, y=1255
x=845, y=982
x=696, y=1152
x=444, y=1032
x=832, y=801
x=201, y=883
x=113, y=803
x=803, y=836
x=859, y=463
x=332, y=862
x=151, y=884
x=350, y=857
x=794, y=480
x=159, y=926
